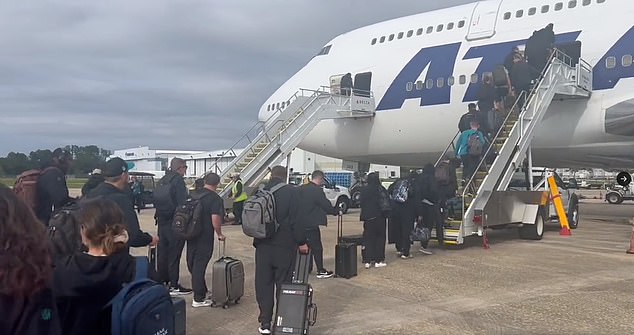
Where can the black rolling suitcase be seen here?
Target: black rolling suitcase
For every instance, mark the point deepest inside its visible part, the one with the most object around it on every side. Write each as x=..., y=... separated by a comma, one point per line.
x=151, y=256
x=345, y=254
x=296, y=312
x=180, y=318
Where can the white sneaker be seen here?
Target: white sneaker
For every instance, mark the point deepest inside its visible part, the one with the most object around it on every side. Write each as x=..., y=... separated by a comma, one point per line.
x=398, y=254
x=380, y=264
x=426, y=251
x=368, y=265
x=406, y=257
x=206, y=303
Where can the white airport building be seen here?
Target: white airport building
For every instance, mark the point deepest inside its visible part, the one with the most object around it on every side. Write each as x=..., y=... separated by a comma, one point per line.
x=157, y=161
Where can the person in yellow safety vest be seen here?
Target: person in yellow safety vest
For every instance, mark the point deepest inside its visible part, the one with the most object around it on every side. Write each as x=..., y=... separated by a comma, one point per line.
x=239, y=196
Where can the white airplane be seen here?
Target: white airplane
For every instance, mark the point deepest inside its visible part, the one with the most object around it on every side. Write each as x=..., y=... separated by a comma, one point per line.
x=425, y=68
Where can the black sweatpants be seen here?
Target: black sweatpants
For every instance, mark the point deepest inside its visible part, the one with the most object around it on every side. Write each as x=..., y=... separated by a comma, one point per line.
x=273, y=266
x=169, y=251
x=431, y=220
x=405, y=218
x=199, y=252
x=313, y=239
x=237, y=211
x=374, y=240
x=470, y=165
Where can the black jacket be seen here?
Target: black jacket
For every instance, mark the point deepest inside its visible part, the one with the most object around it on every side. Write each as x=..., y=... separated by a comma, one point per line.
x=122, y=198
x=52, y=192
x=486, y=96
x=370, y=202
x=314, y=206
x=92, y=182
x=83, y=286
x=35, y=315
x=521, y=76
x=178, y=191
x=291, y=232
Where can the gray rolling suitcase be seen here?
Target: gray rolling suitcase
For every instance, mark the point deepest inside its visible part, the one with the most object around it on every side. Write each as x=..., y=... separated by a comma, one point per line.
x=227, y=280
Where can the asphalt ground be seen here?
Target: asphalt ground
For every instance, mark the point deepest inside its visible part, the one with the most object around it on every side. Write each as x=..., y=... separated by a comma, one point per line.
x=580, y=284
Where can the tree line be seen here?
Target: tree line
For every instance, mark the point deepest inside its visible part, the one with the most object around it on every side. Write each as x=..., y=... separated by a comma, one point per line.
x=85, y=159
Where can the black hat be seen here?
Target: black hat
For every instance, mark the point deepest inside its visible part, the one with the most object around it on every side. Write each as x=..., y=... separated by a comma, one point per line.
x=115, y=167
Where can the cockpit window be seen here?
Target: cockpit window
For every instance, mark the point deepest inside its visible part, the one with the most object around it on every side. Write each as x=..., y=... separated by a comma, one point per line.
x=325, y=50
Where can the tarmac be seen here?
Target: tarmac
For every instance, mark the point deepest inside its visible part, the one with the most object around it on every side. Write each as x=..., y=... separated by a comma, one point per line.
x=580, y=284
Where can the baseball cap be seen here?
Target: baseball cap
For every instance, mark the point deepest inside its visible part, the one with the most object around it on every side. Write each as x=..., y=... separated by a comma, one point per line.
x=115, y=167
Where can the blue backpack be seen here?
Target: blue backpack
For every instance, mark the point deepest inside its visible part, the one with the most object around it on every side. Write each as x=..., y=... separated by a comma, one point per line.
x=142, y=306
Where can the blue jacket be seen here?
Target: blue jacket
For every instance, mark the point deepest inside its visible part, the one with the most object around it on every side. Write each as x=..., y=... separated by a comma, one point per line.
x=463, y=142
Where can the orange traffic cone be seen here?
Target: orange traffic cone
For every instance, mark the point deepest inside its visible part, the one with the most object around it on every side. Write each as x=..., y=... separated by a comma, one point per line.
x=631, y=250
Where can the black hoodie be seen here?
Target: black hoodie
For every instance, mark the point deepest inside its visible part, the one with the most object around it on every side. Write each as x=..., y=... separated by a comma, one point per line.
x=84, y=284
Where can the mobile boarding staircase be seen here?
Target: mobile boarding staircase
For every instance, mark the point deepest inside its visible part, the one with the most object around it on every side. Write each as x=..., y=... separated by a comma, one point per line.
x=268, y=143
x=484, y=199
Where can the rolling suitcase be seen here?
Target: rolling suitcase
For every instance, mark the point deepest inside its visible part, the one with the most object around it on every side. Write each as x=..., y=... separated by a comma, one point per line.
x=151, y=256
x=295, y=311
x=180, y=319
x=345, y=254
x=227, y=280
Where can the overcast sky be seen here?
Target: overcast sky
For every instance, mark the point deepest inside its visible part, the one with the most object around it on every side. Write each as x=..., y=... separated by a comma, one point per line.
x=170, y=74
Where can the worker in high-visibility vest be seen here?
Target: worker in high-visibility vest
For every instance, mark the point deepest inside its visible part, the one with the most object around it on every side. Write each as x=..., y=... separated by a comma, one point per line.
x=239, y=196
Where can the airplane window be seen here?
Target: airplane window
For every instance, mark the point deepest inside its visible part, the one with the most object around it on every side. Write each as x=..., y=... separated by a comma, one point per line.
x=410, y=86
x=451, y=81
x=440, y=82
x=419, y=31
x=462, y=79
x=487, y=74
x=382, y=39
x=626, y=60
x=507, y=15
x=572, y=4
x=474, y=78
x=587, y=2
x=545, y=8
x=519, y=13
x=325, y=50
x=268, y=108
x=461, y=24
x=410, y=33
x=532, y=11
x=278, y=105
x=373, y=41
x=439, y=28
x=430, y=30
x=600, y=1
x=419, y=85
x=610, y=62
x=430, y=83
x=450, y=26
x=288, y=103
x=400, y=35
x=559, y=6
x=391, y=38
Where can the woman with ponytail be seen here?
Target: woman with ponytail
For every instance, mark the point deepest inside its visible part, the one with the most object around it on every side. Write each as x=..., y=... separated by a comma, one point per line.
x=84, y=283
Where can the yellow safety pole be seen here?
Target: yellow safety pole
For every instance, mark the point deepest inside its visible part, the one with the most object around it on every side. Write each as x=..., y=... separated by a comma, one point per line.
x=556, y=196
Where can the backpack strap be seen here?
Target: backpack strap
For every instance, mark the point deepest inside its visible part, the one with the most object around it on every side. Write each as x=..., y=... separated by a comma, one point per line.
x=142, y=265
x=277, y=187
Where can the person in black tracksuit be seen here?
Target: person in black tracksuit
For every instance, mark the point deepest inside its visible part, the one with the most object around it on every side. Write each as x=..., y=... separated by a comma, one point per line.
x=274, y=257
x=429, y=205
x=95, y=179
x=115, y=188
x=200, y=249
x=373, y=222
x=313, y=208
x=404, y=215
x=170, y=247
x=52, y=191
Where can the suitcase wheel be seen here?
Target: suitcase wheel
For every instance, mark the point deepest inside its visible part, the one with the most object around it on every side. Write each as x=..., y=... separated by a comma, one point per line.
x=237, y=301
x=225, y=306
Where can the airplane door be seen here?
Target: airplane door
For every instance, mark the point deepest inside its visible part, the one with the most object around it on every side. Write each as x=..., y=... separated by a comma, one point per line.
x=483, y=20
x=362, y=84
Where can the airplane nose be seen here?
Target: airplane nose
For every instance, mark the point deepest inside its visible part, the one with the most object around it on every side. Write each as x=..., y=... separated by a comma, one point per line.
x=619, y=119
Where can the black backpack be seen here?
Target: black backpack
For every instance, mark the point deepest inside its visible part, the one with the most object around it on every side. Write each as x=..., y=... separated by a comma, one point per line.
x=162, y=196
x=186, y=223
x=65, y=231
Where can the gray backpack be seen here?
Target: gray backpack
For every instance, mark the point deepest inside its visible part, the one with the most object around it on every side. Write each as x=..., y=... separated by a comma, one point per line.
x=258, y=215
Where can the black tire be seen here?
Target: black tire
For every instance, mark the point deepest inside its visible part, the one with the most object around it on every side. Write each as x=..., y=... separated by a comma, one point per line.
x=614, y=198
x=343, y=203
x=573, y=213
x=533, y=231
x=355, y=198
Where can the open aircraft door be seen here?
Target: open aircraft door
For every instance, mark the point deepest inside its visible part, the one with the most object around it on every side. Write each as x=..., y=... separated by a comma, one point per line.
x=483, y=20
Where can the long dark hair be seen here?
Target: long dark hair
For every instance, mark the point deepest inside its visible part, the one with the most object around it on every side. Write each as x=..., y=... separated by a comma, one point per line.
x=25, y=262
x=102, y=222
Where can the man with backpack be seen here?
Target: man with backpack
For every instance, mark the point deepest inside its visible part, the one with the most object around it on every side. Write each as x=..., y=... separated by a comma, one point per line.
x=471, y=147
x=115, y=188
x=200, y=249
x=445, y=174
x=275, y=255
x=405, y=209
x=51, y=191
x=313, y=208
x=169, y=194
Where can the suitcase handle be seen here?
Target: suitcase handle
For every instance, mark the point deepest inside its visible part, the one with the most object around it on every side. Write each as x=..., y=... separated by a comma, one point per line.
x=221, y=250
x=312, y=309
